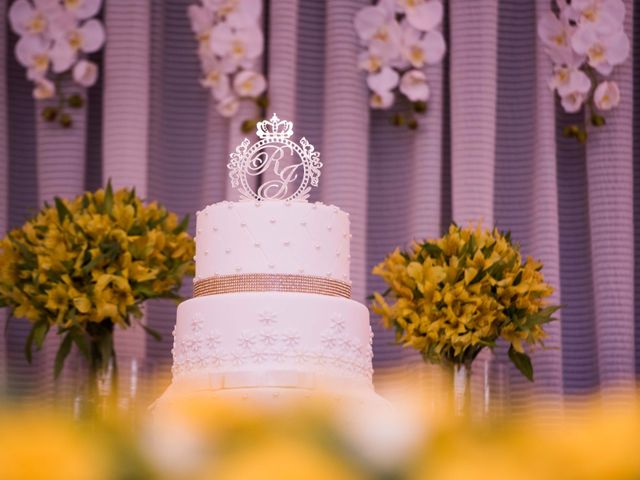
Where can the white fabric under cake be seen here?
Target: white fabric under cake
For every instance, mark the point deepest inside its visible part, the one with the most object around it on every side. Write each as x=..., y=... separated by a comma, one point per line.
x=272, y=237
x=272, y=339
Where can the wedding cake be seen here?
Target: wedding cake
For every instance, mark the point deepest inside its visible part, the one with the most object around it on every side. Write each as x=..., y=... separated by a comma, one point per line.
x=272, y=312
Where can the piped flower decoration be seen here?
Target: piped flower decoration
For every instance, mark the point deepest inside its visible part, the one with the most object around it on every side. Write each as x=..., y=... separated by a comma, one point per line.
x=585, y=40
x=230, y=43
x=56, y=39
x=400, y=39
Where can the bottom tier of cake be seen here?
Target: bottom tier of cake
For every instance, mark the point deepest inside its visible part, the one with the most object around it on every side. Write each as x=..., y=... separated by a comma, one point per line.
x=272, y=340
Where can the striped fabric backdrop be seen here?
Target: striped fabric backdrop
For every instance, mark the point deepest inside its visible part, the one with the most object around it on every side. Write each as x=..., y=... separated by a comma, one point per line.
x=490, y=148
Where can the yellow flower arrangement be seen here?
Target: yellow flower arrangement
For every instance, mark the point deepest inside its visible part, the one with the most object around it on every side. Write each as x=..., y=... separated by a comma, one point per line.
x=85, y=266
x=454, y=296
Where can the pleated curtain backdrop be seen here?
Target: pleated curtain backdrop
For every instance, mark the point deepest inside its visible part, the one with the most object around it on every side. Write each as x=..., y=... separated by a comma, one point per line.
x=490, y=148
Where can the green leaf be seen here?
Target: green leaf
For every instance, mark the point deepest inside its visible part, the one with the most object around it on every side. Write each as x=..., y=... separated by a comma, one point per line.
x=108, y=198
x=488, y=250
x=105, y=344
x=153, y=333
x=479, y=276
x=496, y=270
x=155, y=223
x=81, y=342
x=432, y=249
x=63, y=353
x=132, y=195
x=184, y=224
x=28, y=346
x=522, y=362
x=547, y=312
x=40, y=331
x=62, y=209
x=518, y=279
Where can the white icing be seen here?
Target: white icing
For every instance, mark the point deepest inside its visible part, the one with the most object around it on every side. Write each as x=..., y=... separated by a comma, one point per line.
x=266, y=332
x=249, y=237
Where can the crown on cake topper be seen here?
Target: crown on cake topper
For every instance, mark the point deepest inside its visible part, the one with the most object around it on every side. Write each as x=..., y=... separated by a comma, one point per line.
x=287, y=163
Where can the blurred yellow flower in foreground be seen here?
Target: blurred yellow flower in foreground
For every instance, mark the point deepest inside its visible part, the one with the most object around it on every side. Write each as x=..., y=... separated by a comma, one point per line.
x=282, y=459
x=38, y=445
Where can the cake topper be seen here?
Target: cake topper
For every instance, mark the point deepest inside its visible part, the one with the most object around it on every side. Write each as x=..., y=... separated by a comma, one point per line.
x=293, y=168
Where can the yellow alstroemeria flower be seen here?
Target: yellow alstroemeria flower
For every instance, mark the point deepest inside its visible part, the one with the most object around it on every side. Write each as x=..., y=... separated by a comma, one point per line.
x=57, y=298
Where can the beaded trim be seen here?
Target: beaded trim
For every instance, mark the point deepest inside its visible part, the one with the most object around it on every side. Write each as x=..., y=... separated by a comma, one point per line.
x=271, y=282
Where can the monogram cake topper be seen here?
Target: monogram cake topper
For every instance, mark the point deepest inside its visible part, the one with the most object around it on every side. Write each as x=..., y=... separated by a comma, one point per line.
x=290, y=169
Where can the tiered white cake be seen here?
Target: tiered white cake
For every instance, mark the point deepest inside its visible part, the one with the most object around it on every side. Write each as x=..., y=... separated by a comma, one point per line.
x=272, y=307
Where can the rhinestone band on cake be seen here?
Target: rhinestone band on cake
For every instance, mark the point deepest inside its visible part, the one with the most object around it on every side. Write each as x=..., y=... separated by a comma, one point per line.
x=266, y=282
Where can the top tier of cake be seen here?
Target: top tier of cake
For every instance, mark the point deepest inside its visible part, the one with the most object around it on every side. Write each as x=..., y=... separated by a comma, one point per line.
x=298, y=238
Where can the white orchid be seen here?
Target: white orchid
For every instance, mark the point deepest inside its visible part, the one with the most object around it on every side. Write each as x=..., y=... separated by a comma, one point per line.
x=414, y=86
x=82, y=9
x=586, y=40
x=383, y=81
x=239, y=13
x=55, y=36
x=218, y=81
x=371, y=21
x=378, y=28
x=239, y=46
x=44, y=89
x=229, y=43
x=420, y=49
x=567, y=79
x=573, y=101
x=382, y=100
x=249, y=84
x=425, y=15
x=556, y=34
x=603, y=52
x=379, y=54
x=33, y=52
x=85, y=73
x=71, y=39
x=29, y=18
x=201, y=19
x=227, y=107
x=370, y=61
x=606, y=96
x=604, y=17
x=400, y=40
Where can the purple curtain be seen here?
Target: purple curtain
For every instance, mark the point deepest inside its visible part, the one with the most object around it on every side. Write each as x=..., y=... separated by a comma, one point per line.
x=490, y=148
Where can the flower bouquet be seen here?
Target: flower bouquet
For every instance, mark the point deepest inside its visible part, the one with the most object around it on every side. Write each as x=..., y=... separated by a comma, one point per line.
x=85, y=266
x=454, y=296
x=230, y=44
x=399, y=40
x=56, y=39
x=586, y=40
